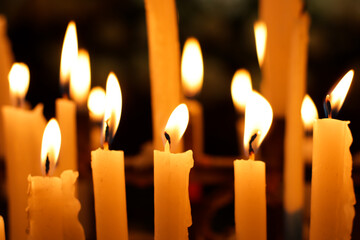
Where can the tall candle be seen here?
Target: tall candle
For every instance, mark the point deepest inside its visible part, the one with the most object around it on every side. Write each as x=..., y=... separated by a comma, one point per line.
x=332, y=190
x=52, y=208
x=108, y=173
x=171, y=182
x=192, y=73
x=250, y=183
x=22, y=133
x=164, y=60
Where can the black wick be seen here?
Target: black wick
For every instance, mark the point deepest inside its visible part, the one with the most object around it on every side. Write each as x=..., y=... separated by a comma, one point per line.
x=167, y=137
x=107, y=132
x=327, y=106
x=251, y=149
x=47, y=165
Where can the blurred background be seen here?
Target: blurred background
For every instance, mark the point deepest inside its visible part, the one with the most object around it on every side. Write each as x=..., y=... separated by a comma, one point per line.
x=114, y=33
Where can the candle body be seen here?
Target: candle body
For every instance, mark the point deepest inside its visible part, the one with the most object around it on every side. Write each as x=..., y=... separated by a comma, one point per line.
x=53, y=209
x=250, y=200
x=164, y=60
x=2, y=229
x=23, y=136
x=109, y=194
x=66, y=116
x=332, y=191
x=194, y=136
x=171, y=194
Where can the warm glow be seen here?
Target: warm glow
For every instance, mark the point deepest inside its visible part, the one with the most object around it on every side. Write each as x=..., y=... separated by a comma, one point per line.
x=177, y=123
x=308, y=112
x=50, y=147
x=80, y=78
x=113, y=104
x=192, y=67
x=19, y=80
x=258, y=119
x=69, y=53
x=337, y=96
x=260, y=39
x=241, y=88
x=96, y=103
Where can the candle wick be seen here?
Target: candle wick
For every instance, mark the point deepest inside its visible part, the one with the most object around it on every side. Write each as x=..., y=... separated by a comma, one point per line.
x=65, y=90
x=327, y=106
x=251, y=149
x=47, y=165
x=107, y=135
x=167, y=136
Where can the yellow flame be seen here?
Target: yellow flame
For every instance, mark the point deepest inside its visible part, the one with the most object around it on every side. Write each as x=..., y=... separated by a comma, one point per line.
x=192, y=67
x=258, y=119
x=113, y=103
x=260, y=30
x=308, y=112
x=80, y=78
x=241, y=88
x=69, y=53
x=50, y=147
x=96, y=103
x=19, y=80
x=337, y=96
x=177, y=123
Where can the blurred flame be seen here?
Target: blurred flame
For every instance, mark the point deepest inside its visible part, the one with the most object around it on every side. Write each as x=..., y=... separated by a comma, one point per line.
x=241, y=89
x=177, y=123
x=19, y=80
x=96, y=103
x=113, y=104
x=80, y=78
x=337, y=96
x=258, y=119
x=69, y=53
x=50, y=147
x=192, y=67
x=308, y=112
x=260, y=39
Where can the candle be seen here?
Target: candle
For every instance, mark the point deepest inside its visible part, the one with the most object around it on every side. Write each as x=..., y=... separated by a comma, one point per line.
x=2, y=229
x=52, y=208
x=6, y=59
x=65, y=108
x=108, y=172
x=192, y=72
x=164, y=61
x=22, y=134
x=171, y=181
x=241, y=88
x=250, y=193
x=332, y=190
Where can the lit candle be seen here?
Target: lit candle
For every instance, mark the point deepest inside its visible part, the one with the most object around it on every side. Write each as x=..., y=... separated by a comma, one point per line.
x=108, y=172
x=22, y=133
x=332, y=190
x=65, y=108
x=192, y=72
x=52, y=208
x=164, y=61
x=241, y=89
x=171, y=181
x=250, y=193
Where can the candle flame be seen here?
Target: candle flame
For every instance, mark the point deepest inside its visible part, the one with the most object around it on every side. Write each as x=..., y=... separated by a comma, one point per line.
x=69, y=54
x=241, y=89
x=113, y=107
x=258, y=119
x=308, y=112
x=80, y=78
x=337, y=96
x=192, y=67
x=96, y=103
x=260, y=31
x=177, y=124
x=50, y=147
x=19, y=80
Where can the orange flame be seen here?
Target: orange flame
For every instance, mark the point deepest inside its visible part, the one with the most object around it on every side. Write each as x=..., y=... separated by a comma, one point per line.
x=50, y=147
x=241, y=89
x=80, y=78
x=260, y=31
x=308, y=112
x=19, y=80
x=177, y=124
x=96, y=103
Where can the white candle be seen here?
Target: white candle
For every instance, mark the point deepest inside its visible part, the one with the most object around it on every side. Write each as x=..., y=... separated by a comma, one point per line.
x=249, y=175
x=108, y=173
x=164, y=61
x=332, y=190
x=171, y=182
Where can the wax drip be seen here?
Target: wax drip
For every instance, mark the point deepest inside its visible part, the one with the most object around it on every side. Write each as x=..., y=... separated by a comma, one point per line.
x=251, y=149
x=327, y=106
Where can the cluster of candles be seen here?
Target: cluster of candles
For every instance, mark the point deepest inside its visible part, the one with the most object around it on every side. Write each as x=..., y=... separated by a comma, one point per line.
x=51, y=206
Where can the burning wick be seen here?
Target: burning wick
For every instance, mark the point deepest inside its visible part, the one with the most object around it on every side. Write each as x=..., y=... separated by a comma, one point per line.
x=251, y=150
x=107, y=135
x=167, y=136
x=65, y=90
x=47, y=165
x=327, y=106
